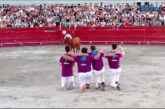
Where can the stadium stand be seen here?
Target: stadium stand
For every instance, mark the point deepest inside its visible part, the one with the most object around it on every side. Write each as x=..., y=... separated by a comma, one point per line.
x=37, y=2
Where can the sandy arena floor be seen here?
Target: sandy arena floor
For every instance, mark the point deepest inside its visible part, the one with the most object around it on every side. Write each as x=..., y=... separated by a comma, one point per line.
x=30, y=77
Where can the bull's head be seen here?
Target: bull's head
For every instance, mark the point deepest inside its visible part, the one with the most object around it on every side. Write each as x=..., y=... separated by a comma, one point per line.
x=67, y=40
x=68, y=36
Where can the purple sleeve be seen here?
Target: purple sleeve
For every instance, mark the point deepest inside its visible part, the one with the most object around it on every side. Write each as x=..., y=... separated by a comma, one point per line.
x=75, y=58
x=102, y=54
x=92, y=57
x=61, y=60
x=89, y=53
x=119, y=55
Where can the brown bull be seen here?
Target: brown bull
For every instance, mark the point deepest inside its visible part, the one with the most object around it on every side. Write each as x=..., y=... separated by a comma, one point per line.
x=74, y=43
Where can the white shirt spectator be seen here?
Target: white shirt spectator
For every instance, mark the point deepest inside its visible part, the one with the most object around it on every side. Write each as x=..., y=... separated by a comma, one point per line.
x=21, y=11
x=103, y=23
x=1, y=19
x=92, y=12
x=162, y=18
x=31, y=8
x=151, y=15
x=49, y=19
x=41, y=25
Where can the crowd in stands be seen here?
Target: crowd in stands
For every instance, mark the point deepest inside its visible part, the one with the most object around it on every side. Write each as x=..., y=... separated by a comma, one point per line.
x=86, y=15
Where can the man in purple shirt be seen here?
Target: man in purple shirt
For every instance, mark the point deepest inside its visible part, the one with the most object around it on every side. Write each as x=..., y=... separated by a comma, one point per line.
x=114, y=65
x=98, y=68
x=84, y=67
x=67, y=79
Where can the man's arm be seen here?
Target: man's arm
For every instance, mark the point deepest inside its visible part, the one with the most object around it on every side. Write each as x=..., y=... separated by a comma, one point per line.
x=98, y=54
x=61, y=60
x=121, y=50
x=109, y=54
x=80, y=54
x=68, y=58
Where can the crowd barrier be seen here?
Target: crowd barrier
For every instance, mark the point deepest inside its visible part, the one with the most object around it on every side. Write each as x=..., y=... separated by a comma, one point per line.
x=53, y=35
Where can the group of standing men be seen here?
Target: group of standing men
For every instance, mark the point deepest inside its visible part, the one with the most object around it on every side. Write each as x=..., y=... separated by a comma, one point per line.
x=84, y=61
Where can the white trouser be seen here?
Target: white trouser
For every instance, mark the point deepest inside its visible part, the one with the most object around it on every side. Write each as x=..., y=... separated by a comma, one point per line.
x=84, y=78
x=99, y=76
x=67, y=80
x=114, y=76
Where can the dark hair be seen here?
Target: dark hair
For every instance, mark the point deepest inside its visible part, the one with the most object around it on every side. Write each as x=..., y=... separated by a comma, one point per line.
x=114, y=46
x=84, y=50
x=67, y=48
x=93, y=47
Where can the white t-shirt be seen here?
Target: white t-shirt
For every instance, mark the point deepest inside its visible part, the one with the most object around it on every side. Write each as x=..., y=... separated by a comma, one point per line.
x=151, y=15
x=0, y=19
x=103, y=24
x=92, y=12
x=162, y=18
x=49, y=19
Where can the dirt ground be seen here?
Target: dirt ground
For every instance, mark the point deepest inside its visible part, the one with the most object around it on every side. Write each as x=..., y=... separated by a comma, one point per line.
x=30, y=77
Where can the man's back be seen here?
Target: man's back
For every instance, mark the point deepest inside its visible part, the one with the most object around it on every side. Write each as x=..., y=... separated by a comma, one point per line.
x=97, y=64
x=114, y=61
x=84, y=63
x=67, y=66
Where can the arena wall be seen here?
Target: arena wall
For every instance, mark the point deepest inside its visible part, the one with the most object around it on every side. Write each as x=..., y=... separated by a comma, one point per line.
x=104, y=35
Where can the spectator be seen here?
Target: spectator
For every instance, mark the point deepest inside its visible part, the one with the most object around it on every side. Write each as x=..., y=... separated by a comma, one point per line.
x=4, y=25
x=136, y=23
x=77, y=15
x=162, y=18
x=22, y=23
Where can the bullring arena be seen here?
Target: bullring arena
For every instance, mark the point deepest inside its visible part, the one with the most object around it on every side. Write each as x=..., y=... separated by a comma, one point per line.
x=30, y=77
x=30, y=71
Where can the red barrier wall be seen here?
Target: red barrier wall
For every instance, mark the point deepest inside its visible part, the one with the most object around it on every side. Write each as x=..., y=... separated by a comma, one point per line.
x=53, y=35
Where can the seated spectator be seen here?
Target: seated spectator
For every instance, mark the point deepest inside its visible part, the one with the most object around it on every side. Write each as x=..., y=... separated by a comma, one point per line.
x=66, y=24
x=4, y=24
x=100, y=15
x=162, y=18
x=136, y=23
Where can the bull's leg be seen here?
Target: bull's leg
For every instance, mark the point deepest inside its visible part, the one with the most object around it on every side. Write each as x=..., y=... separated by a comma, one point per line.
x=78, y=48
x=71, y=48
x=74, y=49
